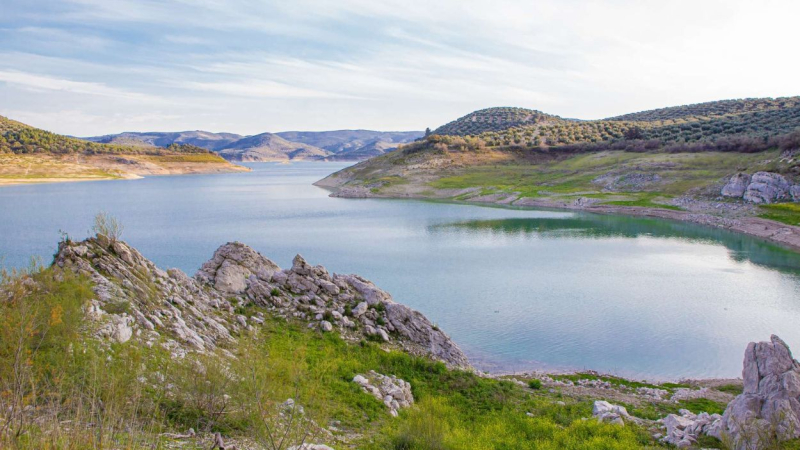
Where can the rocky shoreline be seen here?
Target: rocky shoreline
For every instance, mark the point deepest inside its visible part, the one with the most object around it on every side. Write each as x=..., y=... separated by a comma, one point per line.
x=239, y=291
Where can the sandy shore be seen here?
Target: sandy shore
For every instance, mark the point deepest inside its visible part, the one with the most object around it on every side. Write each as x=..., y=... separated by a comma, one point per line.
x=36, y=168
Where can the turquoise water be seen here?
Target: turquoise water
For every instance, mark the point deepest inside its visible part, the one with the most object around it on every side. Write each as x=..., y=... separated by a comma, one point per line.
x=517, y=289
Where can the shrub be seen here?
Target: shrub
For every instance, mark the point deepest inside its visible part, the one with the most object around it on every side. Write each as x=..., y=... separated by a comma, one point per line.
x=108, y=226
x=535, y=384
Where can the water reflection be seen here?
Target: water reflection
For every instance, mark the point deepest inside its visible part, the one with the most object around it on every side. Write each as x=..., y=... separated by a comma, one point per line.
x=597, y=226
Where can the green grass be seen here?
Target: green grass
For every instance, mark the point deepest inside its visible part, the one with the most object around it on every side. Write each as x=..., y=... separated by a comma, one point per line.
x=699, y=405
x=788, y=213
x=144, y=391
x=645, y=199
x=733, y=389
x=679, y=173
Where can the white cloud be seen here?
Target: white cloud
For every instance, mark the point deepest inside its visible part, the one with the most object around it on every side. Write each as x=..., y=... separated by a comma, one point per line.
x=392, y=64
x=44, y=82
x=260, y=88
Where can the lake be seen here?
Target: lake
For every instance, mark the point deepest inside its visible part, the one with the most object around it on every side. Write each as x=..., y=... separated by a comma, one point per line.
x=516, y=289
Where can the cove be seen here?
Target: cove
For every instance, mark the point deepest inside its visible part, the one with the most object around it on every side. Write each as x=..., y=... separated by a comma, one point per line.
x=516, y=289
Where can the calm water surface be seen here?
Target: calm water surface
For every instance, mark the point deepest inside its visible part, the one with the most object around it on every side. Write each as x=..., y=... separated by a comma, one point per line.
x=517, y=289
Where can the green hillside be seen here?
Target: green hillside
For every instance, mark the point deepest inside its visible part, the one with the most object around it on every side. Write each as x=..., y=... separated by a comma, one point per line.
x=712, y=109
x=494, y=119
x=748, y=125
x=18, y=138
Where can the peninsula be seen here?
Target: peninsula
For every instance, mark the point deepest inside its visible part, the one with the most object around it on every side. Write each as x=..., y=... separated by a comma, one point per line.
x=732, y=164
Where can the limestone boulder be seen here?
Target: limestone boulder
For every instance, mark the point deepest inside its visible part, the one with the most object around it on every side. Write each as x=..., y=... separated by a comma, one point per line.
x=768, y=411
x=736, y=186
x=231, y=266
x=767, y=187
x=392, y=391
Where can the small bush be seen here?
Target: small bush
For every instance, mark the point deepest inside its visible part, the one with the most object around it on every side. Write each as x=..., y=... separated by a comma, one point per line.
x=108, y=226
x=535, y=384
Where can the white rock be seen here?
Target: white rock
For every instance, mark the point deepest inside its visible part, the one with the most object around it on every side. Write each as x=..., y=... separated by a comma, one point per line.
x=360, y=309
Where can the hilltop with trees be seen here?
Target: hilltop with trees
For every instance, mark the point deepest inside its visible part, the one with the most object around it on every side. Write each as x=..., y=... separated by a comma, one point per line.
x=31, y=155
x=676, y=159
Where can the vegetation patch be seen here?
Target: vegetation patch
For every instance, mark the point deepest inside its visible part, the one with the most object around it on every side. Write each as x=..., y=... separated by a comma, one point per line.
x=144, y=391
x=788, y=213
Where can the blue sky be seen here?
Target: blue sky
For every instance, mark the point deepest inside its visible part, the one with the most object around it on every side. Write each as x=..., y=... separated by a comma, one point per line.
x=87, y=67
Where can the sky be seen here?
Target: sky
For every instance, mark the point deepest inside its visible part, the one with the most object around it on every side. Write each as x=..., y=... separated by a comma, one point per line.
x=91, y=67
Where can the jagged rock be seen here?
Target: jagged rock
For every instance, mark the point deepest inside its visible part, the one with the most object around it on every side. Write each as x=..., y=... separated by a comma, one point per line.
x=392, y=391
x=371, y=293
x=383, y=334
x=794, y=191
x=654, y=393
x=689, y=394
x=766, y=187
x=684, y=430
x=607, y=412
x=232, y=265
x=300, y=266
x=117, y=328
x=415, y=327
x=360, y=309
x=736, y=186
x=169, y=304
x=197, y=314
x=769, y=407
x=329, y=287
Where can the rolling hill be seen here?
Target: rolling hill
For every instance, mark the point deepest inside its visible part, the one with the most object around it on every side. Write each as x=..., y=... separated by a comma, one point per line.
x=736, y=125
x=31, y=155
x=675, y=159
x=495, y=119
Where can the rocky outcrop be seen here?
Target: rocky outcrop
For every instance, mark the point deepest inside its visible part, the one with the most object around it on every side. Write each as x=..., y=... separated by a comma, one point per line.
x=684, y=430
x=136, y=299
x=768, y=411
x=737, y=185
x=607, y=412
x=232, y=265
x=392, y=391
x=767, y=187
x=348, y=303
x=761, y=188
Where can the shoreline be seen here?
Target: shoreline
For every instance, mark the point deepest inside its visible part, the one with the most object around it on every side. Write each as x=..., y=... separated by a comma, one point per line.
x=48, y=170
x=787, y=236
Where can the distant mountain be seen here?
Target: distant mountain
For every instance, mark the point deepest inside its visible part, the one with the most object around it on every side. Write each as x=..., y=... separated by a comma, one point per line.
x=204, y=139
x=311, y=145
x=353, y=144
x=270, y=147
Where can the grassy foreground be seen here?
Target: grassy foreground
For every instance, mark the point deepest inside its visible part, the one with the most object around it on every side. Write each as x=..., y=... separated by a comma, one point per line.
x=60, y=388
